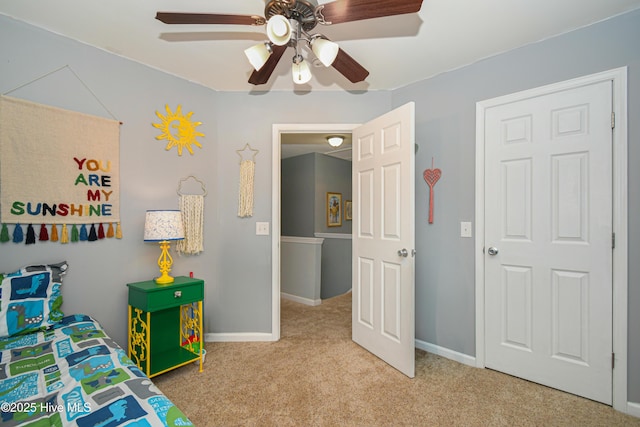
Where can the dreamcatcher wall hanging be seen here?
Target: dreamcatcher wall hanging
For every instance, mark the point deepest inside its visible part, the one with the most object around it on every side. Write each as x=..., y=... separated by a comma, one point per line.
x=247, y=173
x=192, y=209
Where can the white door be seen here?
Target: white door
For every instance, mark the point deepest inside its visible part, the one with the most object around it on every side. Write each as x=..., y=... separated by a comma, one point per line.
x=548, y=240
x=383, y=238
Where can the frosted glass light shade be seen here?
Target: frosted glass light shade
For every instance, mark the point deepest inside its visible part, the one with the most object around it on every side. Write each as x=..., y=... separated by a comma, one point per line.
x=258, y=55
x=279, y=30
x=301, y=72
x=335, y=141
x=163, y=225
x=325, y=50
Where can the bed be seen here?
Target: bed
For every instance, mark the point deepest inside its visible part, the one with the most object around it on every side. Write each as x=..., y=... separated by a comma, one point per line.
x=58, y=370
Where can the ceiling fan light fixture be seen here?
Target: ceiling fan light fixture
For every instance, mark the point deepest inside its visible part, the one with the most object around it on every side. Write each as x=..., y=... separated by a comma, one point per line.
x=335, y=140
x=300, y=71
x=258, y=54
x=279, y=30
x=325, y=50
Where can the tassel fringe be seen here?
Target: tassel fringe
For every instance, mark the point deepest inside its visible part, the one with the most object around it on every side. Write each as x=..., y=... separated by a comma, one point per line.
x=78, y=233
x=93, y=236
x=44, y=233
x=54, y=233
x=4, y=234
x=31, y=235
x=18, y=235
x=83, y=233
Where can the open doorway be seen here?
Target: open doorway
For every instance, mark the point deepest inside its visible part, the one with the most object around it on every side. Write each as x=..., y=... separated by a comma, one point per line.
x=384, y=164
x=280, y=132
x=315, y=230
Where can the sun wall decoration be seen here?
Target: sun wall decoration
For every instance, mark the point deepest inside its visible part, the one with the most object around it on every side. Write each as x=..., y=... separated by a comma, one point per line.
x=178, y=130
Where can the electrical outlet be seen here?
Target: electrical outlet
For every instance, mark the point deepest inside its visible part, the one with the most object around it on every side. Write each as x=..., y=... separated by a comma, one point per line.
x=262, y=228
x=465, y=229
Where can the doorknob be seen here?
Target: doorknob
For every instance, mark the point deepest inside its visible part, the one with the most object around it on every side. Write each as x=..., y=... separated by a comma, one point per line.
x=492, y=251
x=403, y=253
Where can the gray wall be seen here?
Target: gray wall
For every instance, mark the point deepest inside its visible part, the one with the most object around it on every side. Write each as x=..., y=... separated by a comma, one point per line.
x=300, y=268
x=332, y=175
x=297, y=198
x=306, y=180
x=336, y=267
x=445, y=130
x=236, y=264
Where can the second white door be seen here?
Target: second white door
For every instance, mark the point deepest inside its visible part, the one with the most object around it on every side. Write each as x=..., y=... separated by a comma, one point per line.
x=548, y=239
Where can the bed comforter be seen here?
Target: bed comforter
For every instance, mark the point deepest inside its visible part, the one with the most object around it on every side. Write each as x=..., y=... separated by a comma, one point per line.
x=73, y=374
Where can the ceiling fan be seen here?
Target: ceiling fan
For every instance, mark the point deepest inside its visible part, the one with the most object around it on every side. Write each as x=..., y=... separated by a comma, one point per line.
x=289, y=23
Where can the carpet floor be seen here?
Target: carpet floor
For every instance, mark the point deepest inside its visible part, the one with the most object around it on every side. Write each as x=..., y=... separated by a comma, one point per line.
x=316, y=376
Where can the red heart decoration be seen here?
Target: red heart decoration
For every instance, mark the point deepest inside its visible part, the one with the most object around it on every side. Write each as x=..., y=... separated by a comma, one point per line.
x=431, y=176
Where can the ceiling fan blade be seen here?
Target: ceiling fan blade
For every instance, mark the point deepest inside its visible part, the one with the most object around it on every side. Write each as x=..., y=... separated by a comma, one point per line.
x=341, y=11
x=208, y=18
x=262, y=76
x=349, y=67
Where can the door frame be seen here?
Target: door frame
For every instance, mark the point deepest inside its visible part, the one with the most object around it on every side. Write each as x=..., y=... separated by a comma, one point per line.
x=277, y=131
x=620, y=213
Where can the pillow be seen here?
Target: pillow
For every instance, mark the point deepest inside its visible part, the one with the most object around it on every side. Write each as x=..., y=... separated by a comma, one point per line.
x=31, y=298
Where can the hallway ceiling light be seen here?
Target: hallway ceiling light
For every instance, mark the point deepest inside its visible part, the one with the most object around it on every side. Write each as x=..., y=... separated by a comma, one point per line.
x=335, y=140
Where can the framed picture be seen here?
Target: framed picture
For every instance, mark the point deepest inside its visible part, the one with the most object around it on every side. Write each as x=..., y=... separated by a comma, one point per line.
x=334, y=205
x=347, y=210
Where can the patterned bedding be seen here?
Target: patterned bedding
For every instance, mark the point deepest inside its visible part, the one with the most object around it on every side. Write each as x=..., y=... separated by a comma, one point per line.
x=75, y=375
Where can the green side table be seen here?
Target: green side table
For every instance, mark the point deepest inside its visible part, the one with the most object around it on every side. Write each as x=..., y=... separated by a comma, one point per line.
x=165, y=324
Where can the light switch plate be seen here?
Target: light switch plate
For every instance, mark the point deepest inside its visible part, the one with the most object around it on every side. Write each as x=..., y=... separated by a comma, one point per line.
x=465, y=229
x=262, y=228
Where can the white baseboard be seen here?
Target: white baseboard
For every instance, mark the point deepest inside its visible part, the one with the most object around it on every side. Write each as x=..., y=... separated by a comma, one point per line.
x=238, y=337
x=301, y=300
x=633, y=409
x=465, y=359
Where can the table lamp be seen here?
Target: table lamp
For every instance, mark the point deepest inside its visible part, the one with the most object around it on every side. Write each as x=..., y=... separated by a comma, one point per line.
x=162, y=227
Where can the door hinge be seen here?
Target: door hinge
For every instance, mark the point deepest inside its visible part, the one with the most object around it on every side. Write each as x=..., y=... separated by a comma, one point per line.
x=613, y=240
x=613, y=360
x=613, y=120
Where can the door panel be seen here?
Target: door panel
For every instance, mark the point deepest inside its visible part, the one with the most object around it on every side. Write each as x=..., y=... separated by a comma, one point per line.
x=516, y=294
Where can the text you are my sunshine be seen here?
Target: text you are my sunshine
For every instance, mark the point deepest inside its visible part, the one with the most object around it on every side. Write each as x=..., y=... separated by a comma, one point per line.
x=94, y=176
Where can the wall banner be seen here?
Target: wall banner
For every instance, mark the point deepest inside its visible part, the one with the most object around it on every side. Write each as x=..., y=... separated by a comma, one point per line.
x=57, y=166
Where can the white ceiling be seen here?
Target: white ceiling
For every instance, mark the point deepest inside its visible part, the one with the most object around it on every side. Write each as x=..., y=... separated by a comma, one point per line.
x=399, y=50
